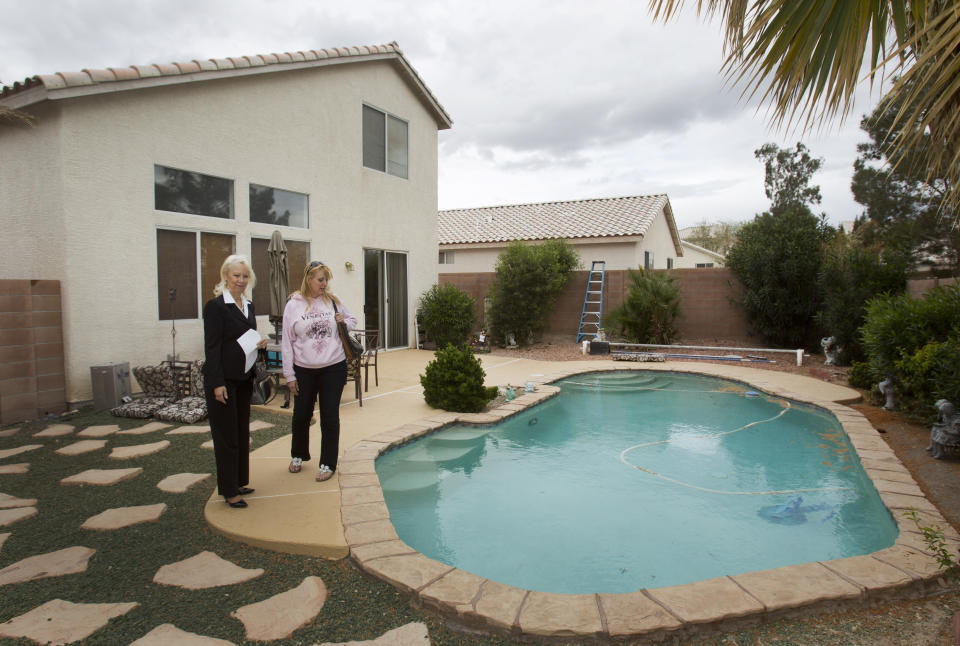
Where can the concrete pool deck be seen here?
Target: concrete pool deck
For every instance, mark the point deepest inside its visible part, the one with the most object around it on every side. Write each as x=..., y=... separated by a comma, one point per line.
x=347, y=515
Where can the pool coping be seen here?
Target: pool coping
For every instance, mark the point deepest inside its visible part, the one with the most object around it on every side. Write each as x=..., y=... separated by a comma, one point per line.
x=472, y=602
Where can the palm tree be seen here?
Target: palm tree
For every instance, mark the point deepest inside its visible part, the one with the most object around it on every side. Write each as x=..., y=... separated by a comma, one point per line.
x=807, y=58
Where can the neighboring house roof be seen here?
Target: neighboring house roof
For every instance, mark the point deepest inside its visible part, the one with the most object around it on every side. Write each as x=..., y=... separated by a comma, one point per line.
x=63, y=85
x=597, y=218
x=703, y=250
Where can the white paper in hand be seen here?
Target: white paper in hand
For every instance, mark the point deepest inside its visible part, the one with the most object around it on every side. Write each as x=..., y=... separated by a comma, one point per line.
x=248, y=343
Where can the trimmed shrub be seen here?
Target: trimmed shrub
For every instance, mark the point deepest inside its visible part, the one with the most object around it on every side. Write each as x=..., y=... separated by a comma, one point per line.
x=777, y=258
x=915, y=340
x=529, y=279
x=648, y=314
x=454, y=381
x=850, y=276
x=860, y=376
x=447, y=314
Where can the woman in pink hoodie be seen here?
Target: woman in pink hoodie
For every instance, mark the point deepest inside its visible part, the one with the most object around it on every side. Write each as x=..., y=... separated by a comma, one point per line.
x=315, y=366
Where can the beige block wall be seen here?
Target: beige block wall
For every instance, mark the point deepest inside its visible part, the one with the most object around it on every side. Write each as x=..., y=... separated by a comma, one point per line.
x=709, y=308
x=298, y=131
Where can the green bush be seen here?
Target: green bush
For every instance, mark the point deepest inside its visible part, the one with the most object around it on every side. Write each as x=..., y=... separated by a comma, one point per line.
x=850, y=276
x=454, y=381
x=648, y=314
x=777, y=258
x=860, y=376
x=447, y=314
x=528, y=280
x=915, y=340
x=931, y=373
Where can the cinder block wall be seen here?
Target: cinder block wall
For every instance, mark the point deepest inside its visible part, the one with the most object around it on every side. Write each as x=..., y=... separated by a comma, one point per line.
x=32, y=381
x=709, y=300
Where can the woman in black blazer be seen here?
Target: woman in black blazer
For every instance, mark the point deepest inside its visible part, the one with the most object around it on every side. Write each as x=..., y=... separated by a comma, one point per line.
x=227, y=382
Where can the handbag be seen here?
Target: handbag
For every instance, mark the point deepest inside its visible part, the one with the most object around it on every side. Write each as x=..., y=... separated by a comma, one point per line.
x=262, y=384
x=351, y=347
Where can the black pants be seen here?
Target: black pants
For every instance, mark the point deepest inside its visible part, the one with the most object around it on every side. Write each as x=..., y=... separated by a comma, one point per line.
x=230, y=427
x=326, y=385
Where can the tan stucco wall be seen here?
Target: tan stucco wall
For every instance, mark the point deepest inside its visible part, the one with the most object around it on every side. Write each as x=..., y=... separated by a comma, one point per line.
x=298, y=131
x=692, y=256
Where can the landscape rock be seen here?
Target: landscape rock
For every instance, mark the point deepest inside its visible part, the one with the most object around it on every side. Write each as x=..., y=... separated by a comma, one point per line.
x=170, y=635
x=70, y=560
x=102, y=477
x=202, y=571
x=180, y=482
x=281, y=614
x=138, y=450
x=124, y=517
x=83, y=446
x=62, y=622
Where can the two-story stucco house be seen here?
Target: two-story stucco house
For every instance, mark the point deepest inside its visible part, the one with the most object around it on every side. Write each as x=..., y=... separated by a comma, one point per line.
x=133, y=184
x=624, y=232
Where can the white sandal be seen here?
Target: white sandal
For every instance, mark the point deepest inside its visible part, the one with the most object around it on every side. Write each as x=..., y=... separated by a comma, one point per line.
x=324, y=473
x=295, y=465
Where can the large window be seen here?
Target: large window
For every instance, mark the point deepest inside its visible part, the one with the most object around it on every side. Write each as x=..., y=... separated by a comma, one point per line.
x=298, y=254
x=275, y=206
x=182, y=191
x=182, y=258
x=385, y=142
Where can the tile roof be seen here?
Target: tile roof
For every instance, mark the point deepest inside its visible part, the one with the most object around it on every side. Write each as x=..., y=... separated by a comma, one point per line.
x=91, y=81
x=597, y=218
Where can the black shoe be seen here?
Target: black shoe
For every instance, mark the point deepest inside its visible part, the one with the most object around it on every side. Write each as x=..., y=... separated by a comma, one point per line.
x=245, y=490
x=239, y=504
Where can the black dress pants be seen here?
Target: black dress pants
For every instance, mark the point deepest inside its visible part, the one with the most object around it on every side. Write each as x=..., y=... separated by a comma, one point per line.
x=230, y=427
x=326, y=386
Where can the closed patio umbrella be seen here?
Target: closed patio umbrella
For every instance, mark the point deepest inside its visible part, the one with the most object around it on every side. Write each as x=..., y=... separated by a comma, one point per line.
x=279, y=280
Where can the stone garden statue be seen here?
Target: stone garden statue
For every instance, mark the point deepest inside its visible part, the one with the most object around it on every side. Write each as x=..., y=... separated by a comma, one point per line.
x=945, y=434
x=831, y=350
x=886, y=389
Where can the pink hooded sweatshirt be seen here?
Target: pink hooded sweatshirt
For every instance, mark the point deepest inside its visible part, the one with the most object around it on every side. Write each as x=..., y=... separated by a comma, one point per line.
x=310, y=337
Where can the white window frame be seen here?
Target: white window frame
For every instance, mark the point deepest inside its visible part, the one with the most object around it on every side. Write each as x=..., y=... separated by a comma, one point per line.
x=403, y=171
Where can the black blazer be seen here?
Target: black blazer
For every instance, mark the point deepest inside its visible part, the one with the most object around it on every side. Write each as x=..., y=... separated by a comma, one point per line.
x=223, y=324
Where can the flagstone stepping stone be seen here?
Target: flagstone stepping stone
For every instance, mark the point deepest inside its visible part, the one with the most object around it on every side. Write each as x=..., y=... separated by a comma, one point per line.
x=83, y=446
x=70, y=560
x=101, y=430
x=119, y=517
x=209, y=444
x=149, y=427
x=102, y=477
x=57, y=430
x=168, y=634
x=20, y=467
x=7, y=501
x=11, y=516
x=281, y=614
x=138, y=450
x=202, y=571
x=188, y=430
x=259, y=425
x=180, y=482
x=10, y=432
x=4, y=537
x=6, y=453
x=415, y=634
x=62, y=622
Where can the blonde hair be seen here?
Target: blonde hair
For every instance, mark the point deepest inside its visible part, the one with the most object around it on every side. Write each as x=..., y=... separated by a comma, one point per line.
x=305, y=288
x=235, y=259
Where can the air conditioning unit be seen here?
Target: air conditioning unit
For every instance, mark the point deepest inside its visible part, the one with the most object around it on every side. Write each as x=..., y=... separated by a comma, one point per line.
x=111, y=383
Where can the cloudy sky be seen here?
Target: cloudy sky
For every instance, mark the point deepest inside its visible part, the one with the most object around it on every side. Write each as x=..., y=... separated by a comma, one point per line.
x=551, y=99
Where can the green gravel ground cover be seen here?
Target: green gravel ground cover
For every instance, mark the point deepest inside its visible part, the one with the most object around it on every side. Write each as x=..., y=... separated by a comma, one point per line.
x=358, y=607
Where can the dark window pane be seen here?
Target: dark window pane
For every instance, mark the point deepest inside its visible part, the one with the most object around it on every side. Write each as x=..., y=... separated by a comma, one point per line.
x=214, y=249
x=185, y=192
x=276, y=206
x=261, y=267
x=176, y=274
x=298, y=255
x=397, y=147
x=374, y=139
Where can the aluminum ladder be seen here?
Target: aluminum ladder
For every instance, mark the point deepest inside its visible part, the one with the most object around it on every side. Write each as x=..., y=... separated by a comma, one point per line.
x=592, y=314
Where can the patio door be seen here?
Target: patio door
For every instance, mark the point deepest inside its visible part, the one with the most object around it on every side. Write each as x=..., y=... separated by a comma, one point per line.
x=385, y=296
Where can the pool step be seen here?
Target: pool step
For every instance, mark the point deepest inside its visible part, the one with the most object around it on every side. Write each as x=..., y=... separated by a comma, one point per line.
x=431, y=455
x=410, y=481
x=606, y=388
x=459, y=437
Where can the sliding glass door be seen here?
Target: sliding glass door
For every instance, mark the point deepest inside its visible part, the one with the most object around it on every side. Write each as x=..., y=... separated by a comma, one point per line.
x=385, y=296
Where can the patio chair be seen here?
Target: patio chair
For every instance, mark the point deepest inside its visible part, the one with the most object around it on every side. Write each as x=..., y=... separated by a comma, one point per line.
x=369, y=358
x=353, y=370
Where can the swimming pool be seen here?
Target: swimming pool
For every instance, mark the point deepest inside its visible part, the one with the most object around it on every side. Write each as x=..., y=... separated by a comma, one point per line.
x=586, y=494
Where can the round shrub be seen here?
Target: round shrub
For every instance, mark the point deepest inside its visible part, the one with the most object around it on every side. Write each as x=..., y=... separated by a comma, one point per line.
x=447, y=314
x=454, y=381
x=860, y=375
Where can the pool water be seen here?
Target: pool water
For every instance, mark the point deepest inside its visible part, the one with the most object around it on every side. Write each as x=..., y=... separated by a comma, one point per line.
x=635, y=479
